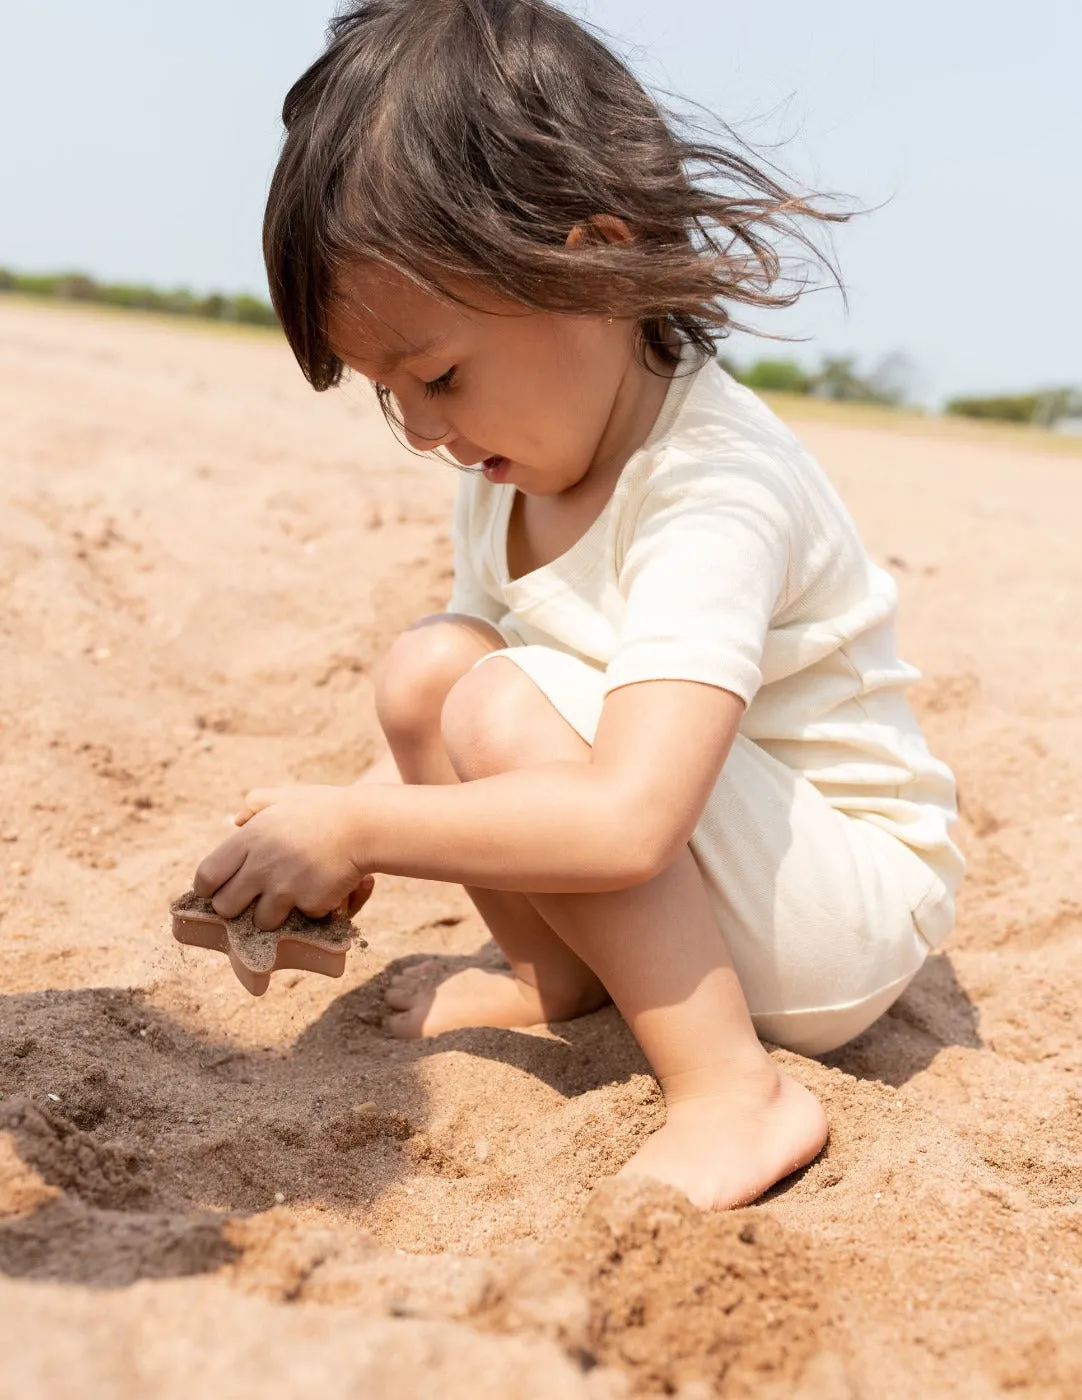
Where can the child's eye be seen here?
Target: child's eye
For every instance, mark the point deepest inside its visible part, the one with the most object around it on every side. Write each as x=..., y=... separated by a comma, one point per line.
x=442, y=384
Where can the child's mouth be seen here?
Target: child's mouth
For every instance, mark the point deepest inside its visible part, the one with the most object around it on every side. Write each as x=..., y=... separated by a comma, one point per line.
x=496, y=468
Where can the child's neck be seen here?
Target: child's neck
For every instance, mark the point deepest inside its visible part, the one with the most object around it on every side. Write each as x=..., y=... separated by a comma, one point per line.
x=541, y=529
x=635, y=410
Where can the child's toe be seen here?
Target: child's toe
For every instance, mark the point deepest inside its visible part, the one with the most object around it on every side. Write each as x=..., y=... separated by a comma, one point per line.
x=416, y=975
x=402, y=1026
x=400, y=997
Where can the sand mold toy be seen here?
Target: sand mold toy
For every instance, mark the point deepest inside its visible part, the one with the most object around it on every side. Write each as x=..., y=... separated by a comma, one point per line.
x=308, y=945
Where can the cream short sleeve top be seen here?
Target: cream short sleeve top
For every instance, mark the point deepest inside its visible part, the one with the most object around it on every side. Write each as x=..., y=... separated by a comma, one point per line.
x=725, y=556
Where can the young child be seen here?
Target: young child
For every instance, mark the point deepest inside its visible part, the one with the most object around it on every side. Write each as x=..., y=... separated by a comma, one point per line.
x=661, y=733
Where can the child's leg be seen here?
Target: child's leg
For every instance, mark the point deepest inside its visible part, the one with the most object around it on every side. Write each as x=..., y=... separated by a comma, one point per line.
x=548, y=981
x=735, y=1123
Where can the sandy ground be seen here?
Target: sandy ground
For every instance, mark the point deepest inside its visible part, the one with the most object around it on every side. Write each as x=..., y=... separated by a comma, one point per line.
x=200, y=561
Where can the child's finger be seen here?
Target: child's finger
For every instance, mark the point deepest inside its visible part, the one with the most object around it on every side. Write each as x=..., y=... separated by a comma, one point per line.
x=233, y=897
x=272, y=910
x=255, y=802
x=221, y=865
x=360, y=896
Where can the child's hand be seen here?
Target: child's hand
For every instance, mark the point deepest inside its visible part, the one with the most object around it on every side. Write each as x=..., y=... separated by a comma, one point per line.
x=291, y=851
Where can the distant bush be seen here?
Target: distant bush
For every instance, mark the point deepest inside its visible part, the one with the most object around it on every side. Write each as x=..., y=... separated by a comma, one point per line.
x=250, y=310
x=77, y=286
x=1016, y=408
x=891, y=382
x=778, y=377
x=836, y=378
x=1045, y=408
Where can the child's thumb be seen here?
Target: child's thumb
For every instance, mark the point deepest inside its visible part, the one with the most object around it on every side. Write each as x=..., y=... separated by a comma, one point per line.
x=256, y=801
x=360, y=896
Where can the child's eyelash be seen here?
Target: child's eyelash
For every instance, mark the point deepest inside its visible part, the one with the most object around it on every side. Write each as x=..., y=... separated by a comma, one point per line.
x=442, y=384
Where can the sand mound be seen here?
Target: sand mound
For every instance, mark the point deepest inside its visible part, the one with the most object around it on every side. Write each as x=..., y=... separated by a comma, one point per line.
x=201, y=563
x=674, y=1298
x=73, y=1208
x=99, y=1173
x=171, y=1342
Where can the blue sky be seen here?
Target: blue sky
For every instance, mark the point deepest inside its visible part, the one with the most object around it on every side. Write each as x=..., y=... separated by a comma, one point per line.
x=139, y=139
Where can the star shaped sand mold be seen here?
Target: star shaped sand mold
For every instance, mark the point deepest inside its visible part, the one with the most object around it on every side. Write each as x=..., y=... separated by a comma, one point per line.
x=309, y=945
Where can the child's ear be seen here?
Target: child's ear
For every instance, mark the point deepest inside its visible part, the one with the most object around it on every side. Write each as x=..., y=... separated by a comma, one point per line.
x=600, y=228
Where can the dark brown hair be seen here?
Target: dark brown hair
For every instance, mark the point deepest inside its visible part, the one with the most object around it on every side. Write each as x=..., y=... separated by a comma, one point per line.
x=465, y=139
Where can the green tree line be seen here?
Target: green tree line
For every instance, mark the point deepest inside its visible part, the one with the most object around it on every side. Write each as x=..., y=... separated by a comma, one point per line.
x=890, y=382
x=77, y=286
x=838, y=377
x=1045, y=408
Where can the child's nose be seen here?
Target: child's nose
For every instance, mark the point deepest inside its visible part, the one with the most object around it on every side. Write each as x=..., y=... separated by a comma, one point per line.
x=424, y=429
x=427, y=441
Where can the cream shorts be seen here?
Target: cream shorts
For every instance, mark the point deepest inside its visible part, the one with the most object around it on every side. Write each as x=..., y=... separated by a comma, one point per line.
x=827, y=917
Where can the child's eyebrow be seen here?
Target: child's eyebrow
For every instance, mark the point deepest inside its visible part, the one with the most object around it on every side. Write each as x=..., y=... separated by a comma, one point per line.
x=396, y=358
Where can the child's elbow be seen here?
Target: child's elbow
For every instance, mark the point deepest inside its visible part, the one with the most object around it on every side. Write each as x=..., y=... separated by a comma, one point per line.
x=644, y=849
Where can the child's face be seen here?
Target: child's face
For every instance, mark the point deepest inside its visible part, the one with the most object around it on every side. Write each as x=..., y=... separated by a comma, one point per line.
x=530, y=395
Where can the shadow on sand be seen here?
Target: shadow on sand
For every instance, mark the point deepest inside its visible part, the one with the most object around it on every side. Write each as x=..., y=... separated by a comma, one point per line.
x=934, y=1012
x=135, y=1138
x=128, y=1140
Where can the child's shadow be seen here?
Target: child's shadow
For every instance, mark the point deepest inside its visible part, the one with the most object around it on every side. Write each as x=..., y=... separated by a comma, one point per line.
x=934, y=1012
x=577, y=1056
x=572, y=1057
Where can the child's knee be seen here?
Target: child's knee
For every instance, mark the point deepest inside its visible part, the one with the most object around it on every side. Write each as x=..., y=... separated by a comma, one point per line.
x=414, y=678
x=488, y=722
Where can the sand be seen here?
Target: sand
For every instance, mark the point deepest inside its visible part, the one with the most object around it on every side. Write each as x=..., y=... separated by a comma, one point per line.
x=201, y=561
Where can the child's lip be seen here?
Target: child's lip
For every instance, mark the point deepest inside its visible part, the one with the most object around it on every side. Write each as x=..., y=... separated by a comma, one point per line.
x=495, y=467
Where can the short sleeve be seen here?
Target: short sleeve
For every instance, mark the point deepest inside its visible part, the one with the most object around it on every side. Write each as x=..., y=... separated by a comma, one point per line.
x=702, y=576
x=468, y=594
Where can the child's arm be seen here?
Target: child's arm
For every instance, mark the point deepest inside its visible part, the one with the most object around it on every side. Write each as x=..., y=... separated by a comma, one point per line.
x=705, y=572
x=609, y=823
x=384, y=770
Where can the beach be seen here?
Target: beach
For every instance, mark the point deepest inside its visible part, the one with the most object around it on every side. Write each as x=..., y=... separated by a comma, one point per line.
x=201, y=562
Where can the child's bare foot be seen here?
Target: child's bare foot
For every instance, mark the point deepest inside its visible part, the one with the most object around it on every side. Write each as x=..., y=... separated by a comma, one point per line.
x=425, y=1006
x=725, y=1148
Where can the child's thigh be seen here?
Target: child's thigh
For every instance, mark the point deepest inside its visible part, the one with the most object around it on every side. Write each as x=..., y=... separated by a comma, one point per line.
x=816, y=908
